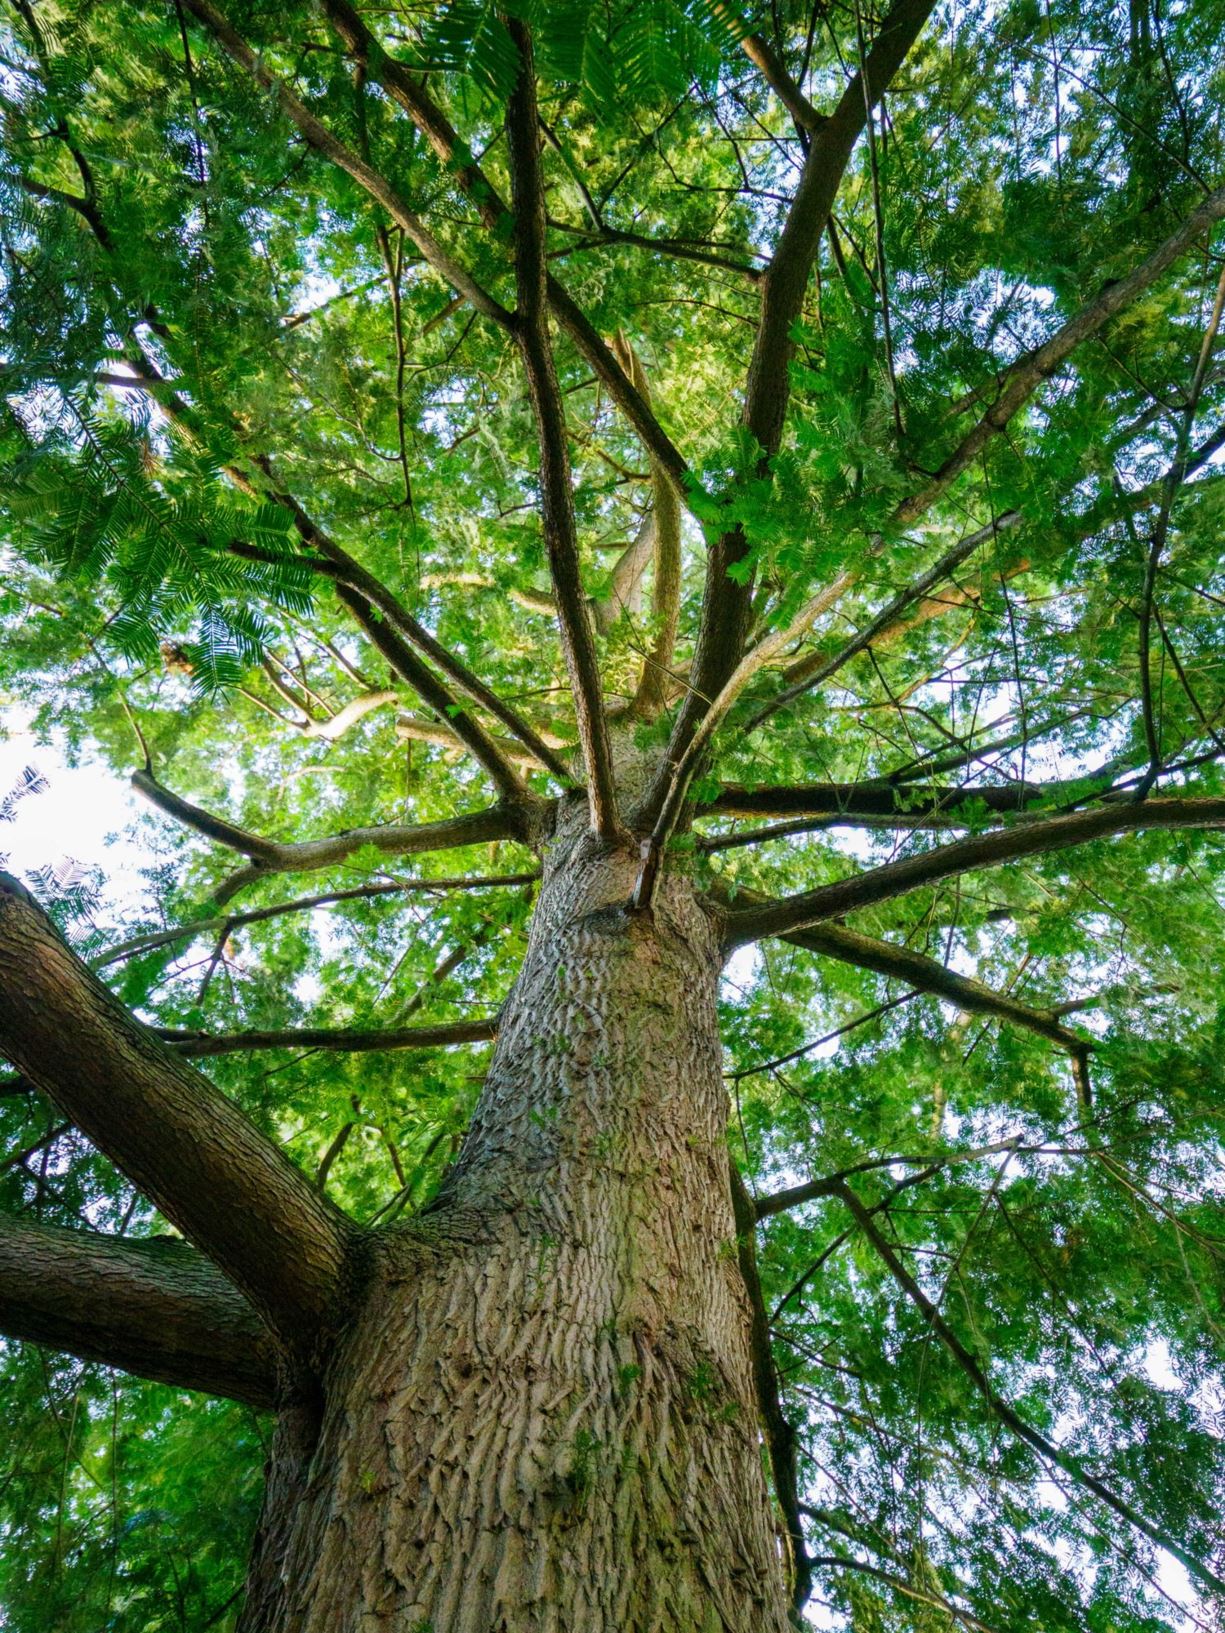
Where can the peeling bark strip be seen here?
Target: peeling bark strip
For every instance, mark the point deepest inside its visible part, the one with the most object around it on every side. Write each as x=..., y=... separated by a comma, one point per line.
x=542, y=1415
x=176, y=1137
x=153, y=1307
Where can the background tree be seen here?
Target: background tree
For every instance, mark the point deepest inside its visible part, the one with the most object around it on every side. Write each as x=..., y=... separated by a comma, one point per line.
x=599, y=491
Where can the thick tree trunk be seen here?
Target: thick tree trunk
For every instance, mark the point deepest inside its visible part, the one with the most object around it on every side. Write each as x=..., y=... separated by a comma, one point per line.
x=541, y=1416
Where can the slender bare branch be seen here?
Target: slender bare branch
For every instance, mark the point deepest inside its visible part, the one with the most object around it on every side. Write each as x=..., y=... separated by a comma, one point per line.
x=556, y=497
x=318, y=136
x=1006, y=1414
x=1031, y=838
x=780, y=1433
x=177, y=1138
x=335, y=563
x=230, y=922
x=435, y=696
x=347, y=1040
x=1027, y=374
x=929, y=975
x=795, y=1196
x=154, y=1307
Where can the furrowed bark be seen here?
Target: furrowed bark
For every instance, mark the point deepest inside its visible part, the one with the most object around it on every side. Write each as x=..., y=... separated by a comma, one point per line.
x=154, y=1307
x=351, y=1040
x=1043, y=834
x=176, y=1137
x=556, y=499
x=571, y=1305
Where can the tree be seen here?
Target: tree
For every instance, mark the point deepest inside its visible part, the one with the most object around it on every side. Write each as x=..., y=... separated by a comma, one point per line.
x=603, y=491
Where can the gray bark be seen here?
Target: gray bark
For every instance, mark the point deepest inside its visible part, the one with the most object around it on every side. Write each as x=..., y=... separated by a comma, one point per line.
x=541, y=1415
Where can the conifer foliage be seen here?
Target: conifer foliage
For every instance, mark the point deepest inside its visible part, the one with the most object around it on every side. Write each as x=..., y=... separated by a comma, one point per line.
x=792, y=430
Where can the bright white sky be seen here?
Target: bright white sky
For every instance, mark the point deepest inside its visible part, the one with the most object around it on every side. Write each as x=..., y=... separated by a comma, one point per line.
x=82, y=815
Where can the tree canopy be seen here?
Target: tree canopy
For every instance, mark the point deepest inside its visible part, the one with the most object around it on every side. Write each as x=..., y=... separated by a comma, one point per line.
x=814, y=411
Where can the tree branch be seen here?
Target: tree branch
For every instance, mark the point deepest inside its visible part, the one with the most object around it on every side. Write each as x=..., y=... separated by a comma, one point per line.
x=898, y=804
x=304, y=856
x=1032, y=838
x=830, y=1184
x=352, y=1040
x=435, y=696
x=1004, y=1412
x=154, y=1307
x=336, y=563
x=727, y=604
x=556, y=498
x=929, y=975
x=257, y=915
x=318, y=136
x=176, y=1137
x=408, y=93
x=650, y=694
x=780, y=1433
x=763, y=56
x=1028, y=373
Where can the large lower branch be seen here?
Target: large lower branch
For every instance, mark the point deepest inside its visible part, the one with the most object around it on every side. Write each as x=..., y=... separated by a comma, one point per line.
x=153, y=1307
x=1032, y=838
x=190, y=1150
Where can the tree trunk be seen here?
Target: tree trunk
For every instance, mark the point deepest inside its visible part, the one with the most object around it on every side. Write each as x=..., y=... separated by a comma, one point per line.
x=541, y=1413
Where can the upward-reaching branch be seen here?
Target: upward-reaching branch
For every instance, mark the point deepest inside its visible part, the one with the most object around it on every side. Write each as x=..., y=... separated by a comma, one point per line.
x=556, y=498
x=409, y=94
x=726, y=603
x=178, y=1139
x=435, y=696
x=1028, y=372
x=652, y=689
x=330, y=147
